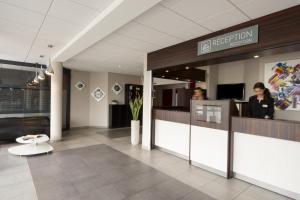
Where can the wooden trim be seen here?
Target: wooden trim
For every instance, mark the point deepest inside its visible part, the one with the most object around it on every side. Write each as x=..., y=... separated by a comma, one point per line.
x=172, y=116
x=278, y=33
x=279, y=129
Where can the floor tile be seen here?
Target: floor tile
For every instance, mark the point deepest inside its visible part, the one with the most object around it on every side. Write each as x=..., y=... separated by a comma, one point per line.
x=93, y=164
x=174, y=189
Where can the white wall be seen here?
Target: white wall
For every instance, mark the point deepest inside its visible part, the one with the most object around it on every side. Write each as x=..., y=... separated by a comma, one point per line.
x=249, y=72
x=79, y=111
x=98, y=116
x=232, y=72
x=85, y=110
x=122, y=79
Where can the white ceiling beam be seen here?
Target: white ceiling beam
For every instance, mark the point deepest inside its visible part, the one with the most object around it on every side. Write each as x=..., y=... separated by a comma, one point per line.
x=119, y=13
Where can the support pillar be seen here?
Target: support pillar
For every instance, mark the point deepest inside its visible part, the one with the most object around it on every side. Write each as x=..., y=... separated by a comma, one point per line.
x=56, y=102
x=147, y=107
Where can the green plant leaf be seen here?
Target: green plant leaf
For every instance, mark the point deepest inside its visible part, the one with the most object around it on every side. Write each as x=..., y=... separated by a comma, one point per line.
x=135, y=106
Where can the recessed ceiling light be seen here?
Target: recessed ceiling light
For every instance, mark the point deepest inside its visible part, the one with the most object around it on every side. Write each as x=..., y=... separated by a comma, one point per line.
x=163, y=76
x=256, y=56
x=187, y=67
x=177, y=78
x=167, y=71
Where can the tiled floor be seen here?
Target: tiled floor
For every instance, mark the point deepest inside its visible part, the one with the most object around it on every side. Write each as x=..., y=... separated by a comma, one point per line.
x=171, y=176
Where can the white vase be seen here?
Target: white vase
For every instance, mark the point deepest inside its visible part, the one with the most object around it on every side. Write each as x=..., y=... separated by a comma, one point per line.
x=135, y=132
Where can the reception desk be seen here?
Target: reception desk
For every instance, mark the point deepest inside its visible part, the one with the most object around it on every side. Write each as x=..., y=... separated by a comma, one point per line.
x=201, y=136
x=267, y=153
x=172, y=131
x=211, y=136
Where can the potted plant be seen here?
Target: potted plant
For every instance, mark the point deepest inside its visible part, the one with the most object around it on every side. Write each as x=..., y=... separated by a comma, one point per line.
x=135, y=107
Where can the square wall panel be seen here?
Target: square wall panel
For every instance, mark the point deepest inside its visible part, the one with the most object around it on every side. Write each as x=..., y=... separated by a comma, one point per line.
x=95, y=4
x=72, y=12
x=224, y=20
x=58, y=30
x=144, y=33
x=259, y=8
x=19, y=29
x=18, y=15
x=130, y=43
x=200, y=10
x=162, y=19
x=40, y=6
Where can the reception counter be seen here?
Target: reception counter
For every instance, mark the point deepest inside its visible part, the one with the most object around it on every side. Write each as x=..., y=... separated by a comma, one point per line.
x=172, y=132
x=200, y=136
x=211, y=136
x=267, y=153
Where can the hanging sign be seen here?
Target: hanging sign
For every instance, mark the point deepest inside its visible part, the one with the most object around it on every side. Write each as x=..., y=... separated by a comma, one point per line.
x=230, y=40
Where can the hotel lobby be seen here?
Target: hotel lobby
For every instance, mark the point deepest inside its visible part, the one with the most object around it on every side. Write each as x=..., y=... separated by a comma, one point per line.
x=149, y=99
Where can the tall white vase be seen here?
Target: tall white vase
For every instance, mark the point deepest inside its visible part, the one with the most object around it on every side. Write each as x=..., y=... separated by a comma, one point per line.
x=135, y=132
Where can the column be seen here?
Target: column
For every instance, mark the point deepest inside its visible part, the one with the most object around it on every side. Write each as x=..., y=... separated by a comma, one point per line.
x=56, y=102
x=147, y=107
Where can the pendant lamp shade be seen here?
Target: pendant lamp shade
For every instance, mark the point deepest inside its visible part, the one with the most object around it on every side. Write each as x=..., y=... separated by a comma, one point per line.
x=49, y=71
x=36, y=78
x=41, y=75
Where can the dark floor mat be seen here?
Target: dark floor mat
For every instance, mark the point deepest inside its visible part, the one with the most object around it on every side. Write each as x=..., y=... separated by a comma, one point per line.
x=101, y=172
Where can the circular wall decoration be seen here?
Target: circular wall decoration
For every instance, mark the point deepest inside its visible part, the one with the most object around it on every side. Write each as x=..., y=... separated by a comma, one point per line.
x=117, y=88
x=98, y=94
x=80, y=85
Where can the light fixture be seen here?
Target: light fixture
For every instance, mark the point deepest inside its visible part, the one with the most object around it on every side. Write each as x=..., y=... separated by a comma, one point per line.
x=41, y=75
x=49, y=70
x=163, y=76
x=36, y=78
x=187, y=67
x=256, y=56
x=167, y=71
x=177, y=78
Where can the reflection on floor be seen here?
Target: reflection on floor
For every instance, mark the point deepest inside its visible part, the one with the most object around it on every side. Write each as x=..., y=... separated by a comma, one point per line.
x=115, y=133
x=18, y=181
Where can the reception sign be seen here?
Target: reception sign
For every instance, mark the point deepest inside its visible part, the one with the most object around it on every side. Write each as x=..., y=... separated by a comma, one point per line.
x=233, y=39
x=283, y=80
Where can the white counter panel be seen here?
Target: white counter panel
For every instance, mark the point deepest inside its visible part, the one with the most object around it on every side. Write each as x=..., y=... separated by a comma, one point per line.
x=209, y=148
x=172, y=136
x=269, y=162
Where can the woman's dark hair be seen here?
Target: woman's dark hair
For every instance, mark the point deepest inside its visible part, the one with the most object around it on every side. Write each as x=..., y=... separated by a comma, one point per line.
x=261, y=85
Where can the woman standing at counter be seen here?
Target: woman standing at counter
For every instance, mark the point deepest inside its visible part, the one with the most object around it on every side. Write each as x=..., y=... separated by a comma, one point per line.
x=199, y=94
x=261, y=105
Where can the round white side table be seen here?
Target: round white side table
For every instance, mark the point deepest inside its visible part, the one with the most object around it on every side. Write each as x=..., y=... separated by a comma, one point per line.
x=32, y=146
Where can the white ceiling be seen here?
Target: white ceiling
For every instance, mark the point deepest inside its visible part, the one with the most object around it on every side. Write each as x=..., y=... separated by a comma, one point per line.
x=28, y=26
x=168, y=23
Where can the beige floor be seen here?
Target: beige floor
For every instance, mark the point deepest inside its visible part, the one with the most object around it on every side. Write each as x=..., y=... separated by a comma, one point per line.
x=16, y=181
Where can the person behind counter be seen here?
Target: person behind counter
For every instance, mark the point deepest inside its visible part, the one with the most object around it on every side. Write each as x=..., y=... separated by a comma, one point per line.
x=261, y=105
x=199, y=94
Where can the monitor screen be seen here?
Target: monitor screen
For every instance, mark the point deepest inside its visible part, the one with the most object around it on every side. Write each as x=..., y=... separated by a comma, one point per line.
x=231, y=91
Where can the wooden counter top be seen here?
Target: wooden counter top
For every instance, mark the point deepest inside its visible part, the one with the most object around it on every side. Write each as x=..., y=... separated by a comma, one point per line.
x=280, y=129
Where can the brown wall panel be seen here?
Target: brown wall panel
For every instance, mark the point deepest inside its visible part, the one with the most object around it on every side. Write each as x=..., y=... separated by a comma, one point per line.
x=172, y=116
x=280, y=129
x=278, y=33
